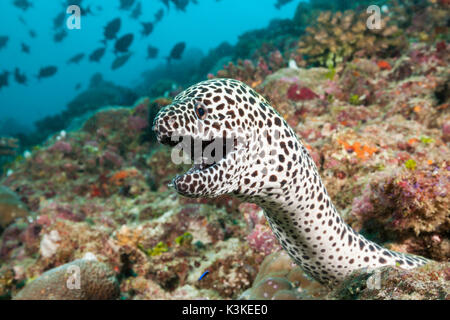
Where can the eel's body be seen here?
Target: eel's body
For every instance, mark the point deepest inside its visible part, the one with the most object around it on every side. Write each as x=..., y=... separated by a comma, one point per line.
x=268, y=165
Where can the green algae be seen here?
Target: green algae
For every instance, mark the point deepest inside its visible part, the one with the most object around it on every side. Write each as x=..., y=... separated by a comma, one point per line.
x=410, y=164
x=184, y=240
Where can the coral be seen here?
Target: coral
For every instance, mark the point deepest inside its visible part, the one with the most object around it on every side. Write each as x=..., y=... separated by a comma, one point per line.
x=96, y=282
x=297, y=93
x=62, y=147
x=184, y=240
x=162, y=169
x=7, y=282
x=280, y=278
x=261, y=239
x=422, y=20
x=430, y=282
x=50, y=244
x=291, y=90
x=231, y=275
x=341, y=36
x=411, y=207
x=158, y=249
x=245, y=71
x=384, y=65
x=11, y=207
x=278, y=35
x=362, y=151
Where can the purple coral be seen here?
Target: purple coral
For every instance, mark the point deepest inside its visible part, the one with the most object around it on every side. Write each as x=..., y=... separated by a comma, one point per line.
x=61, y=146
x=262, y=240
x=136, y=124
x=297, y=93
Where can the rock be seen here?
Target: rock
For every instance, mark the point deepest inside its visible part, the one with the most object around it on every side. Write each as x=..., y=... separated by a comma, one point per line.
x=10, y=207
x=430, y=282
x=311, y=78
x=96, y=282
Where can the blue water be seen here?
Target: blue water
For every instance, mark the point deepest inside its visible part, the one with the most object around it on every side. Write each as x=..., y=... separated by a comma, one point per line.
x=202, y=26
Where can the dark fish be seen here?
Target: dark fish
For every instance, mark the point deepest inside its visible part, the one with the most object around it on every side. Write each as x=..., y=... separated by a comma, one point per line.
x=60, y=35
x=78, y=86
x=177, y=51
x=281, y=3
x=137, y=11
x=152, y=52
x=76, y=58
x=147, y=28
x=58, y=21
x=126, y=4
x=166, y=3
x=180, y=4
x=4, y=79
x=74, y=2
x=32, y=33
x=123, y=43
x=3, y=41
x=20, y=78
x=111, y=29
x=159, y=15
x=84, y=10
x=120, y=61
x=47, y=72
x=88, y=11
x=25, y=48
x=22, y=4
x=97, y=55
x=22, y=21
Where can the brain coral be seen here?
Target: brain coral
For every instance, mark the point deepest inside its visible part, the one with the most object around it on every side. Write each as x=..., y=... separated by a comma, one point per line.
x=96, y=282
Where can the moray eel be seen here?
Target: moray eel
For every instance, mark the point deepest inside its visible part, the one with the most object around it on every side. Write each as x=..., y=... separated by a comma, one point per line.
x=258, y=158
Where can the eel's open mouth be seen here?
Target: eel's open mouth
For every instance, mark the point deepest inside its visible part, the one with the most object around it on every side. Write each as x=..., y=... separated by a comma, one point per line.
x=204, y=154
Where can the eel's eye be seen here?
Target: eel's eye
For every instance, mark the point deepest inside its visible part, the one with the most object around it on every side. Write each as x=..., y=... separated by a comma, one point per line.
x=200, y=111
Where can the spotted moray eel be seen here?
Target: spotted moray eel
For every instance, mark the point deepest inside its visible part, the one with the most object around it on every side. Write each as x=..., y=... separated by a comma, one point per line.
x=268, y=165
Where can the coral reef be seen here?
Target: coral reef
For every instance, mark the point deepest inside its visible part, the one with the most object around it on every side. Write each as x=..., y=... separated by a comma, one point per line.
x=372, y=108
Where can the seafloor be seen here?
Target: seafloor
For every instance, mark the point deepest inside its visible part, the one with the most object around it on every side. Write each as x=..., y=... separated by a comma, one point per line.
x=371, y=107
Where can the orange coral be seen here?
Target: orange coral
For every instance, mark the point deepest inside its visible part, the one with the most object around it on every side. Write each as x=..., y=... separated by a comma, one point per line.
x=384, y=65
x=119, y=177
x=362, y=151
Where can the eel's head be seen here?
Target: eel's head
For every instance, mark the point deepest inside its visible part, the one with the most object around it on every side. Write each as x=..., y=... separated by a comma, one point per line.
x=220, y=124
